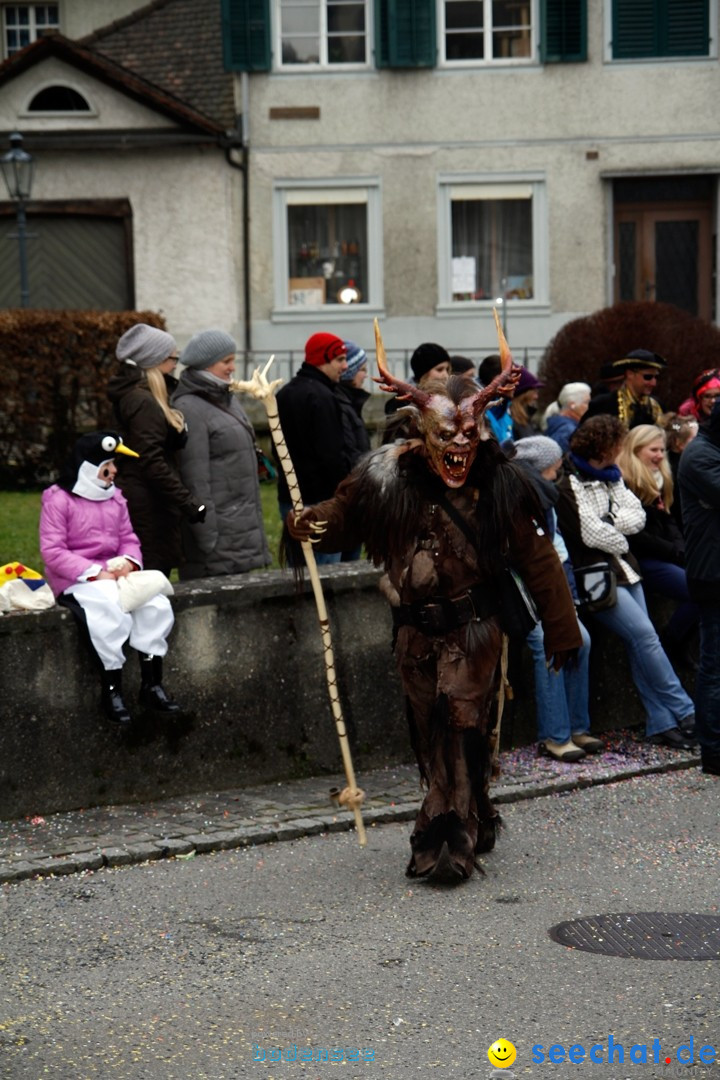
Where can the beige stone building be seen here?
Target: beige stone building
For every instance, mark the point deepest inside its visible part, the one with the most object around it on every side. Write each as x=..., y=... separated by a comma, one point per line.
x=293, y=165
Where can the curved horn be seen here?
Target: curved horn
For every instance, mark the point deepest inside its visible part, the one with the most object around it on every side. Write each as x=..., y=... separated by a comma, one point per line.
x=502, y=385
x=405, y=391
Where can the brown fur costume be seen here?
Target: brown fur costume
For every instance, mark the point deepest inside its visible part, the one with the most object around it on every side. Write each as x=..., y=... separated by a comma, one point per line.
x=392, y=503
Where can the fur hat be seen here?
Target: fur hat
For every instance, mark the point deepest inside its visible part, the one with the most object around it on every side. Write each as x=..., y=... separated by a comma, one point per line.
x=145, y=346
x=426, y=357
x=539, y=451
x=207, y=347
x=322, y=348
x=356, y=357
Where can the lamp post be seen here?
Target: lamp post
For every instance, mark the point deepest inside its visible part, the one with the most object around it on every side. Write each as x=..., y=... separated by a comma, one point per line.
x=17, y=169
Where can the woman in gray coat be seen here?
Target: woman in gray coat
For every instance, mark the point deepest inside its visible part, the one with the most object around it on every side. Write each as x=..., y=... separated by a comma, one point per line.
x=218, y=464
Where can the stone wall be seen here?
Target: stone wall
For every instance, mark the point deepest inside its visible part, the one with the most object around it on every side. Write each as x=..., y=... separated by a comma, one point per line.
x=246, y=661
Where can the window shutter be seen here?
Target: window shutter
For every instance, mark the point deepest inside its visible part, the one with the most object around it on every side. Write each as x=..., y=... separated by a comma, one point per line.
x=405, y=33
x=687, y=28
x=633, y=34
x=564, y=31
x=646, y=28
x=246, y=35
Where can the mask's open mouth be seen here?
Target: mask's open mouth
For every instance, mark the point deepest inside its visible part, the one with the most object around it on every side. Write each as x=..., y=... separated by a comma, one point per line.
x=455, y=465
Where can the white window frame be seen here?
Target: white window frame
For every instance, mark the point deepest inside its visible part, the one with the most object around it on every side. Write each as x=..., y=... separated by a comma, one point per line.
x=488, y=60
x=323, y=64
x=713, y=53
x=32, y=27
x=370, y=190
x=494, y=184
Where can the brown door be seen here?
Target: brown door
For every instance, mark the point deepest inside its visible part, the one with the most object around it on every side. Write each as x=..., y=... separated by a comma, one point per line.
x=664, y=253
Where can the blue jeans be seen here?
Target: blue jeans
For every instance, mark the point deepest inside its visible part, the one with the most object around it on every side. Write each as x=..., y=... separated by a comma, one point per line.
x=669, y=580
x=665, y=701
x=561, y=697
x=322, y=558
x=707, y=683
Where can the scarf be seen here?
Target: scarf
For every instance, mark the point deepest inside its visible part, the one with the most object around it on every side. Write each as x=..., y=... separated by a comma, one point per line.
x=609, y=475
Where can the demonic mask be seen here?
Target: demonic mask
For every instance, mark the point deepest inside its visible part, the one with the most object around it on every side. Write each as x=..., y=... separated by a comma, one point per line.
x=449, y=424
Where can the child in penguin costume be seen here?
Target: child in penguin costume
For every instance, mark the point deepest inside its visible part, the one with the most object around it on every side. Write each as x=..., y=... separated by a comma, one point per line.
x=88, y=544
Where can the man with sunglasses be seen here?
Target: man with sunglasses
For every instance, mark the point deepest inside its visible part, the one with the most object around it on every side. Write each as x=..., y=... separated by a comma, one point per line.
x=633, y=401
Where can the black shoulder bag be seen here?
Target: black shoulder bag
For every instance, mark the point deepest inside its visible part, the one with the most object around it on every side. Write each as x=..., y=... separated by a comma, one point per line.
x=516, y=611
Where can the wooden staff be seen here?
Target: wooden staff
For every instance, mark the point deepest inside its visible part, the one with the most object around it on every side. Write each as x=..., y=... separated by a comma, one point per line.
x=264, y=391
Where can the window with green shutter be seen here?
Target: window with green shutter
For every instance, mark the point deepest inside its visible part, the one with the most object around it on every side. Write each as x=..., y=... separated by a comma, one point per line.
x=246, y=35
x=405, y=35
x=654, y=28
x=563, y=31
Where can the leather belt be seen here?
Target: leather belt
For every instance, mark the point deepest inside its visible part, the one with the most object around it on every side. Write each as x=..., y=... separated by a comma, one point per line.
x=440, y=614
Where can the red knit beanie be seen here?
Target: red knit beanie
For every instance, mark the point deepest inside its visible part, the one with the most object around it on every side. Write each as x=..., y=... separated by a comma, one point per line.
x=322, y=348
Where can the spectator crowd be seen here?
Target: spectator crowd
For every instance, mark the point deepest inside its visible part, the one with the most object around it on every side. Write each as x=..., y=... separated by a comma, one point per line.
x=625, y=488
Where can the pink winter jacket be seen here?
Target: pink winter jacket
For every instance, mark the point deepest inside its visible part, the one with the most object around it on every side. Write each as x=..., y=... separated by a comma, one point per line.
x=77, y=533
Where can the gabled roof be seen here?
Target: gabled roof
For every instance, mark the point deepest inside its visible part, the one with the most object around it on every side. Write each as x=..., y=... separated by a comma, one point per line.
x=176, y=45
x=108, y=71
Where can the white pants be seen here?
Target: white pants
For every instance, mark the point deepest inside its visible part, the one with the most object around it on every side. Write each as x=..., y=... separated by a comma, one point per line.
x=110, y=627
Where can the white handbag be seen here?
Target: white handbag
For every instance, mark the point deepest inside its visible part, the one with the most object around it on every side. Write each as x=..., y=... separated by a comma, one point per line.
x=140, y=586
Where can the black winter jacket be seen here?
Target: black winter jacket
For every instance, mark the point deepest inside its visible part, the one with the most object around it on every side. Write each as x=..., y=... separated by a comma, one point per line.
x=310, y=413
x=661, y=538
x=699, y=480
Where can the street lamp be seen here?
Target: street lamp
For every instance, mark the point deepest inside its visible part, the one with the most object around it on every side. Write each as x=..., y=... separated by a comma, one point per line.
x=17, y=169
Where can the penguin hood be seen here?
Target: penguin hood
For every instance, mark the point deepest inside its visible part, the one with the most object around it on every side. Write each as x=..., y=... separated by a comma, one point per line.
x=79, y=474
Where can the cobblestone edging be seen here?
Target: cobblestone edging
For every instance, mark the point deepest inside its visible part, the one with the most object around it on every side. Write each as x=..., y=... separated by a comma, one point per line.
x=76, y=854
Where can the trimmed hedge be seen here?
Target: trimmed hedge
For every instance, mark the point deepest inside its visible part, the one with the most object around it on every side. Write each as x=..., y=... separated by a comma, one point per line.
x=582, y=346
x=54, y=367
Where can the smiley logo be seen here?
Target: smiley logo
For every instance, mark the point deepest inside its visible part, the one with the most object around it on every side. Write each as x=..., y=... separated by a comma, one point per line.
x=502, y=1054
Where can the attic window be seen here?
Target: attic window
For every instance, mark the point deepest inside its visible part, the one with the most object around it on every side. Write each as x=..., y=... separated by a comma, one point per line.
x=58, y=99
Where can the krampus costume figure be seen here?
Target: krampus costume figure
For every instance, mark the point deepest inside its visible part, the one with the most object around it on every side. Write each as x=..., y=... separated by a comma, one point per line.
x=446, y=513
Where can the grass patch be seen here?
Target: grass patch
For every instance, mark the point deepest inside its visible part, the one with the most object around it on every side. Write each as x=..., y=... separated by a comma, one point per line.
x=20, y=515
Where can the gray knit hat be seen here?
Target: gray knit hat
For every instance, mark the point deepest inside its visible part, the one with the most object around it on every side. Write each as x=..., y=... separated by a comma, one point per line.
x=145, y=346
x=538, y=451
x=207, y=347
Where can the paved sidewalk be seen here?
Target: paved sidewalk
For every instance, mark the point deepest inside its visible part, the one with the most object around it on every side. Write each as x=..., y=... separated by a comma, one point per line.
x=185, y=826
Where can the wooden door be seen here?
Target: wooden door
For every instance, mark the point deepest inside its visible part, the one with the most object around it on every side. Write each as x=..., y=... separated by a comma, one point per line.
x=664, y=253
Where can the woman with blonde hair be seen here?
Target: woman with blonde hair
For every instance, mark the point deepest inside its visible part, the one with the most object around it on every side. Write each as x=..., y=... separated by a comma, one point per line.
x=660, y=547
x=156, y=497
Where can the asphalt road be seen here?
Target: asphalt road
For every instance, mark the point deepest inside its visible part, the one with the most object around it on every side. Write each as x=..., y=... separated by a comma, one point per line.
x=173, y=970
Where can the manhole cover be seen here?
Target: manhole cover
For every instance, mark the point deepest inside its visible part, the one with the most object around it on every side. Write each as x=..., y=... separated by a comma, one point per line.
x=644, y=935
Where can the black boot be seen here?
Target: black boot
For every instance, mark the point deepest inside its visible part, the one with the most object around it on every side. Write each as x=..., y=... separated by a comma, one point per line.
x=152, y=693
x=112, y=700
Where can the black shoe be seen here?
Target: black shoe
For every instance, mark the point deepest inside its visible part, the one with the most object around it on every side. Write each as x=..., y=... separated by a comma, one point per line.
x=152, y=692
x=687, y=726
x=154, y=697
x=711, y=764
x=674, y=738
x=112, y=700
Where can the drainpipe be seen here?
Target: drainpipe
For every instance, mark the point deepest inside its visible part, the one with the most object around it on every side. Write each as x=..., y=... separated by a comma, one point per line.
x=243, y=166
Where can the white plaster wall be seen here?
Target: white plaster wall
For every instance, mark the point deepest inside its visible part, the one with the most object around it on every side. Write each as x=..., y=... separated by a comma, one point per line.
x=186, y=222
